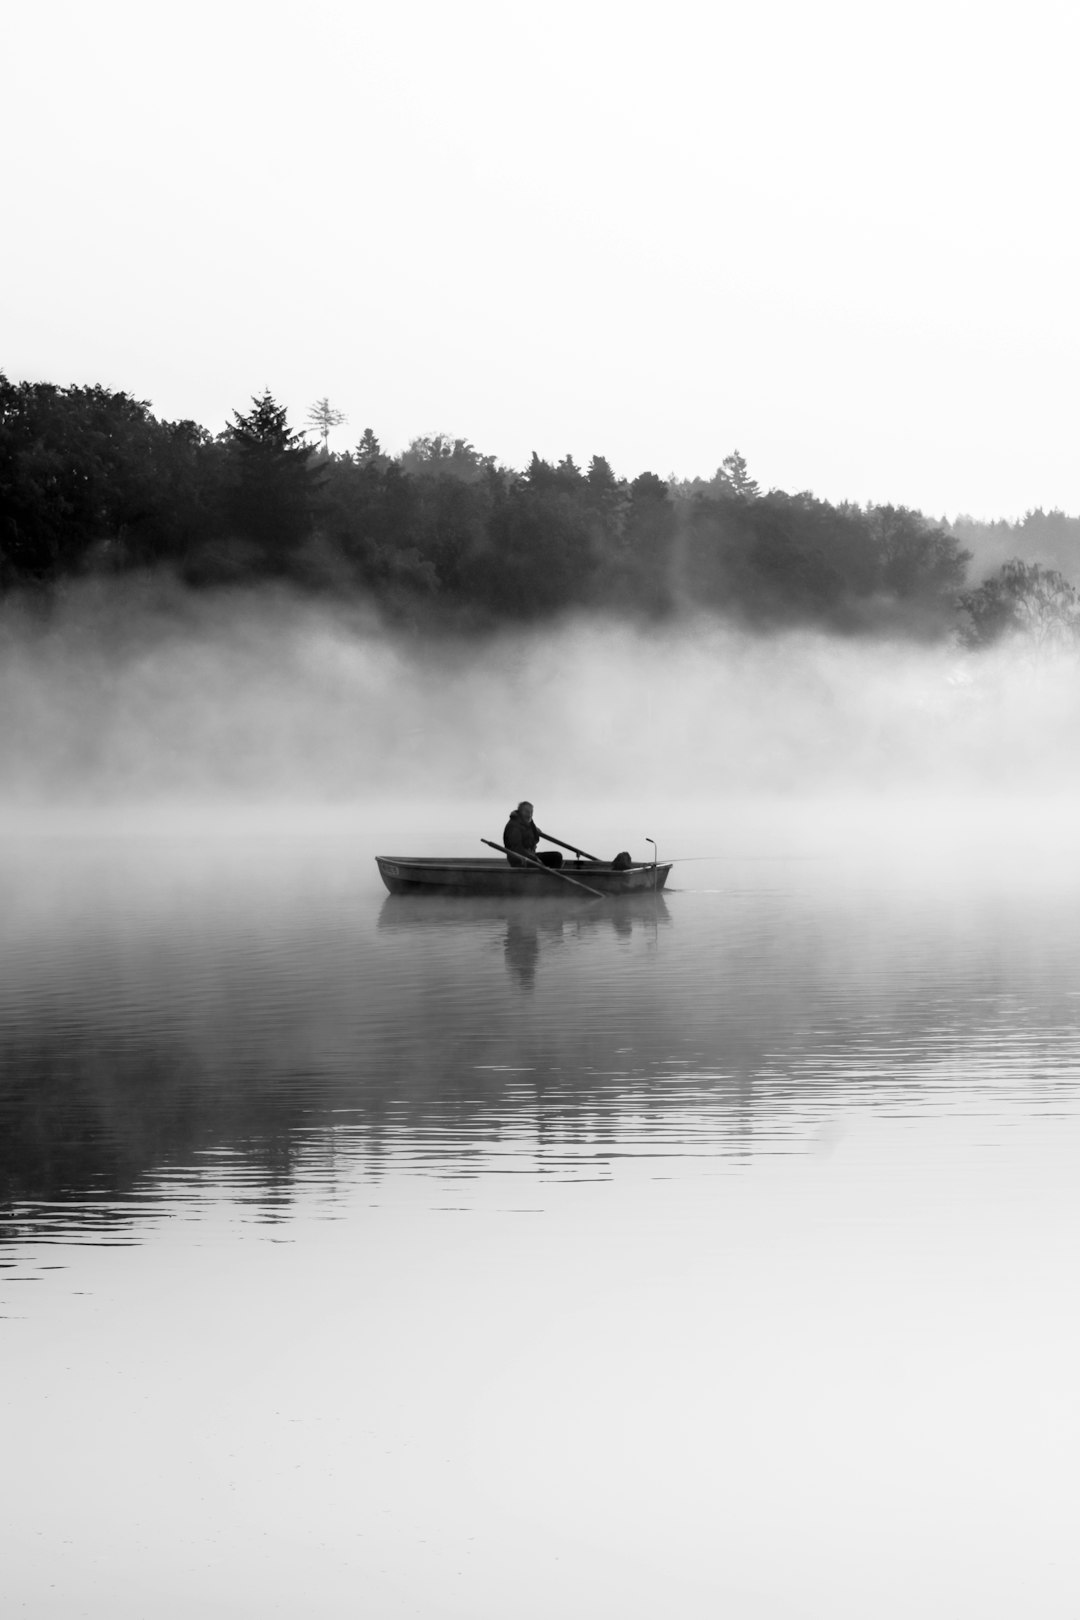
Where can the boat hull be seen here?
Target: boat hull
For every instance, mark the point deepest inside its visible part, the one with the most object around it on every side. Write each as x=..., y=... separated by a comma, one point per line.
x=447, y=875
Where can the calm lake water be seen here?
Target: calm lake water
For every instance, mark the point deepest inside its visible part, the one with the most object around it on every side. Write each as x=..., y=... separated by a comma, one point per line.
x=708, y=1256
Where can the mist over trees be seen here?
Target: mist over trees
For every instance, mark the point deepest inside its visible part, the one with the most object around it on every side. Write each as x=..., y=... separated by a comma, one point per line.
x=1050, y=539
x=92, y=483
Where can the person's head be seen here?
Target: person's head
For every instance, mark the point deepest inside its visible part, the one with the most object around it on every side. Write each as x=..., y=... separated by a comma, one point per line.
x=525, y=810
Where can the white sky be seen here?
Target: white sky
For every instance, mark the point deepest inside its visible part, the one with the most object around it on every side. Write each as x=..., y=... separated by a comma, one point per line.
x=842, y=237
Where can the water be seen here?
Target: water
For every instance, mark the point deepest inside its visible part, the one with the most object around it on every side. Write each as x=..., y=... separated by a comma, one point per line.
x=365, y=1256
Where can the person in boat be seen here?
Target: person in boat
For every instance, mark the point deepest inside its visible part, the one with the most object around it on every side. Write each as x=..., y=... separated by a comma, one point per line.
x=521, y=836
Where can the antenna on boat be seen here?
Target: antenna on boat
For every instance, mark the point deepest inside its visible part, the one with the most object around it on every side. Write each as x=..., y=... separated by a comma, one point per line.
x=652, y=841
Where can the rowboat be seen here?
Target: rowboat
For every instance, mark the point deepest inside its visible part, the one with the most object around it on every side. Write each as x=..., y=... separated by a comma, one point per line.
x=447, y=874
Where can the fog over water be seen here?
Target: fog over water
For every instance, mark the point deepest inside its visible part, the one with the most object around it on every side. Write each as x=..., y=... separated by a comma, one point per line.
x=707, y=1253
x=150, y=696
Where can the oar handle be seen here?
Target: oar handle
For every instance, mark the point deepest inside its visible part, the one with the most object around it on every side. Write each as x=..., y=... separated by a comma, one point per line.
x=571, y=847
x=552, y=871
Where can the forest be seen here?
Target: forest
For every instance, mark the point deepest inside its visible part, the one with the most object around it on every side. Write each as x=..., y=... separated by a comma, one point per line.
x=443, y=537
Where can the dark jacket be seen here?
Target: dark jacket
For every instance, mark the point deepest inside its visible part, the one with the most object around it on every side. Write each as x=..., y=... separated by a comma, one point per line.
x=521, y=837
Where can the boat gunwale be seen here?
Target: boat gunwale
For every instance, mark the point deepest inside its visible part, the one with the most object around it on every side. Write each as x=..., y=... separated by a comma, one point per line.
x=486, y=863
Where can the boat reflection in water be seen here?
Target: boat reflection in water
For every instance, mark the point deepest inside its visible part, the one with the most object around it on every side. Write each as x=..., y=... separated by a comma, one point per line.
x=530, y=926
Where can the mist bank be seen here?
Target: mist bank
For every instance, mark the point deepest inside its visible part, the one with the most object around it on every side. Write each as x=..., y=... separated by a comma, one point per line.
x=441, y=537
x=142, y=692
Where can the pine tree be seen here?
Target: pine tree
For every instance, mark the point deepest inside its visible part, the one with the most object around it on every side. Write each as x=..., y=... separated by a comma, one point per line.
x=369, y=449
x=322, y=417
x=272, y=484
x=736, y=474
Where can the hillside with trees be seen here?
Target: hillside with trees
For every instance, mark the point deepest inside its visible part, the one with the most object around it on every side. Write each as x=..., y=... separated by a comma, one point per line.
x=442, y=536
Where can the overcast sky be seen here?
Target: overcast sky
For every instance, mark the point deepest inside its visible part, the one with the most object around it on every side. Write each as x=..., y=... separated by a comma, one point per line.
x=842, y=237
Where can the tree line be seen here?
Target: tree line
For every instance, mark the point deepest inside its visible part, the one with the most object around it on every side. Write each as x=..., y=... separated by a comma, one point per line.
x=92, y=482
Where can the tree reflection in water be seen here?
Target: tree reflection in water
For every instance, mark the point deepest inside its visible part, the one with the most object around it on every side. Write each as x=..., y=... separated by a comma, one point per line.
x=151, y=1056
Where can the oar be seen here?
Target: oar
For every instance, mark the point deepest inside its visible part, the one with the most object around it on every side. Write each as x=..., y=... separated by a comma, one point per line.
x=571, y=847
x=552, y=871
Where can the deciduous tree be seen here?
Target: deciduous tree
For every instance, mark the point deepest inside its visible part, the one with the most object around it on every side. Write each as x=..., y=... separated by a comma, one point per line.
x=1021, y=599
